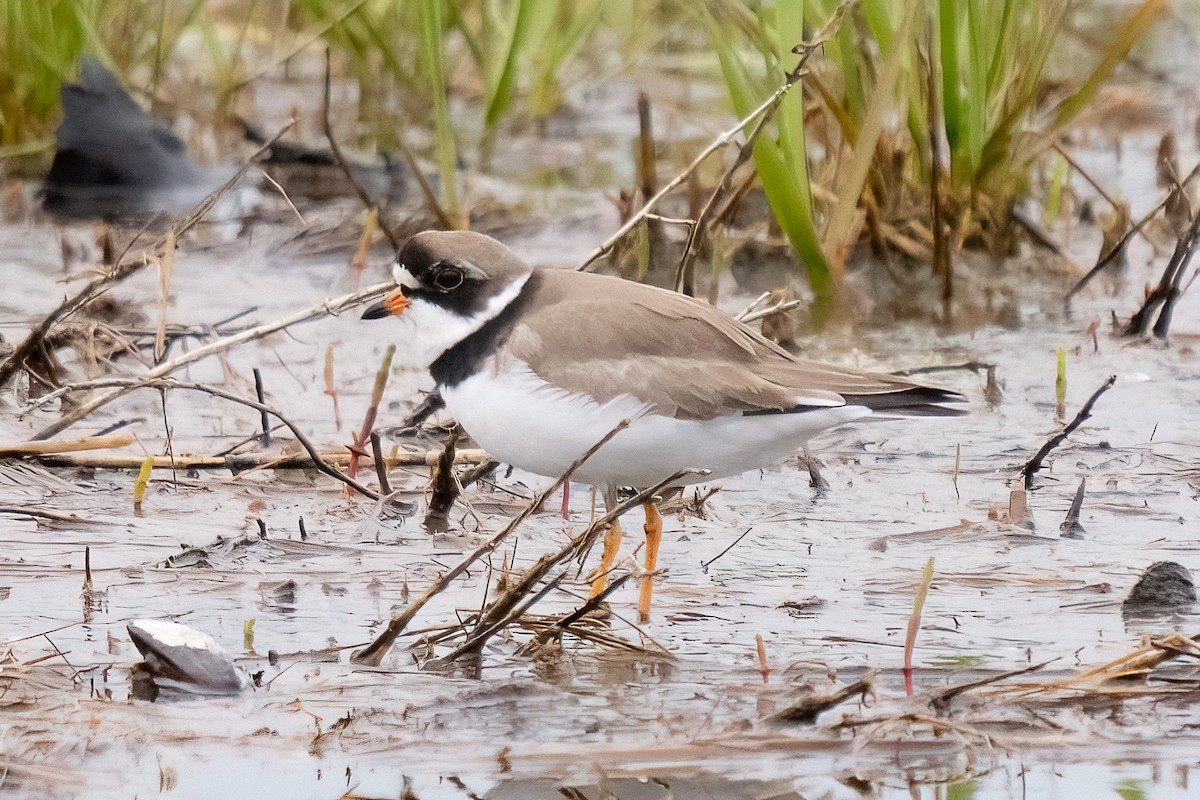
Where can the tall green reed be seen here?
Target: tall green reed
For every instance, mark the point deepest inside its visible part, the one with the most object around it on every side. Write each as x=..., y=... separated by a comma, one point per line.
x=780, y=158
x=875, y=123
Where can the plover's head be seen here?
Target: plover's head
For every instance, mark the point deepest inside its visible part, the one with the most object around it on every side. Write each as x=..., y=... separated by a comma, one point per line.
x=451, y=284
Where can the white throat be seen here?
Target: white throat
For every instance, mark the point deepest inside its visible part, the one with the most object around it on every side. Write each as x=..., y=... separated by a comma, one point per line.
x=428, y=330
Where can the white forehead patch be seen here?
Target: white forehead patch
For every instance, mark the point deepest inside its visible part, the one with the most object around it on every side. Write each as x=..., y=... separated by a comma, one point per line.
x=403, y=277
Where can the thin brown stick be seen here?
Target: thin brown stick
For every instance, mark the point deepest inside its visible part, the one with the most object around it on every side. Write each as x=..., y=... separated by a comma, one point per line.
x=443, y=487
x=430, y=405
x=283, y=193
x=684, y=270
x=324, y=309
x=1035, y=463
x=754, y=316
x=477, y=472
x=1169, y=288
x=1137, y=663
x=165, y=262
x=246, y=440
x=647, y=172
x=385, y=487
x=345, y=165
x=806, y=710
x=558, y=627
x=1123, y=242
x=713, y=146
x=53, y=516
x=1075, y=165
x=1071, y=527
x=971, y=366
x=331, y=387
x=98, y=286
x=317, y=461
x=547, y=630
x=684, y=273
x=368, y=424
x=942, y=258
x=426, y=190
x=373, y=654
x=940, y=701
x=261, y=394
x=475, y=642
x=758, y=301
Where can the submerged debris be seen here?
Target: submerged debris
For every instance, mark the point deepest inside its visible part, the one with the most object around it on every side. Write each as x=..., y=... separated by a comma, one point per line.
x=1164, y=585
x=813, y=703
x=1071, y=527
x=181, y=661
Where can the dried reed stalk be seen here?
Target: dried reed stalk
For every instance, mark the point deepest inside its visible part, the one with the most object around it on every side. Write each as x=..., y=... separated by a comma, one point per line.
x=327, y=308
x=373, y=654
x=363, y=437
x=1034, y=464
x=716, y=144
x=68, y=446
x=513, y=602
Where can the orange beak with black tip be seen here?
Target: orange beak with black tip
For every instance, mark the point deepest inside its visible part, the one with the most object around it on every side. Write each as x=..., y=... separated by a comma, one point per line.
x=391, y=306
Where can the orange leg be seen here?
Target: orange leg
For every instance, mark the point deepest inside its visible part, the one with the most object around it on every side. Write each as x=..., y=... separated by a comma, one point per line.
x=612, y=541
x=653, y=529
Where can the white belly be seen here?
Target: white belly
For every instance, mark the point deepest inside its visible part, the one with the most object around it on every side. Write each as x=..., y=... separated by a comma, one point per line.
x=521, y=420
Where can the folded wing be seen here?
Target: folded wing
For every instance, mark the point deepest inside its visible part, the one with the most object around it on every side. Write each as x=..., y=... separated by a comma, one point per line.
x=684, y=358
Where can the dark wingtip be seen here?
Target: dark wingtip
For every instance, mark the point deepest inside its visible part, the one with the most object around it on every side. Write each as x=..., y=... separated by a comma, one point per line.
x=918, y=401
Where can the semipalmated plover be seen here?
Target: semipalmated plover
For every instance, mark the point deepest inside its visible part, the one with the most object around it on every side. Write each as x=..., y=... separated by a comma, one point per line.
x=537, y=365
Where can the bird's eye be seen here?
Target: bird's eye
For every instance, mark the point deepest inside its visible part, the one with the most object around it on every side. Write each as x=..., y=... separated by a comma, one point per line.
x=448, y=279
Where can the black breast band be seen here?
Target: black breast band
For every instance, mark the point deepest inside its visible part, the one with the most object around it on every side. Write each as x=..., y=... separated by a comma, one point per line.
x=464, y=359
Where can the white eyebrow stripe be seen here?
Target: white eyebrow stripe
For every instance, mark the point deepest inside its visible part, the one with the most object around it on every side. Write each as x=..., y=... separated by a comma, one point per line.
x=405, y=278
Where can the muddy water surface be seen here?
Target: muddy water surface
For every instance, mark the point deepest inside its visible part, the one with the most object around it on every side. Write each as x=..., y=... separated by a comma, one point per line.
x=825, y=578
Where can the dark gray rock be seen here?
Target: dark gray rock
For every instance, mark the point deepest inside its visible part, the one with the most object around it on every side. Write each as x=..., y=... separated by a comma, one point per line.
x=1164, y=585
x=115, y=161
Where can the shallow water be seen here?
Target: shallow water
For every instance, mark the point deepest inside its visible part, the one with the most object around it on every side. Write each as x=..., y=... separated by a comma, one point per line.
x=827, y=580
x=1002, y=597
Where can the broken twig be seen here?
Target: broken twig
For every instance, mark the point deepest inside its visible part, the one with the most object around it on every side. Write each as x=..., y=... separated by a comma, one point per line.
x=1034, y=464
x=504, y=610
x=634, y=220
x=1115, y=251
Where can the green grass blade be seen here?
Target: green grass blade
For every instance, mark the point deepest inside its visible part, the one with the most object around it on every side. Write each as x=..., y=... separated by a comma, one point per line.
x=543, y=95
x=953, y=119
x=787, y=192
x=433, y=62
x=842, y=229
x=503, y=89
